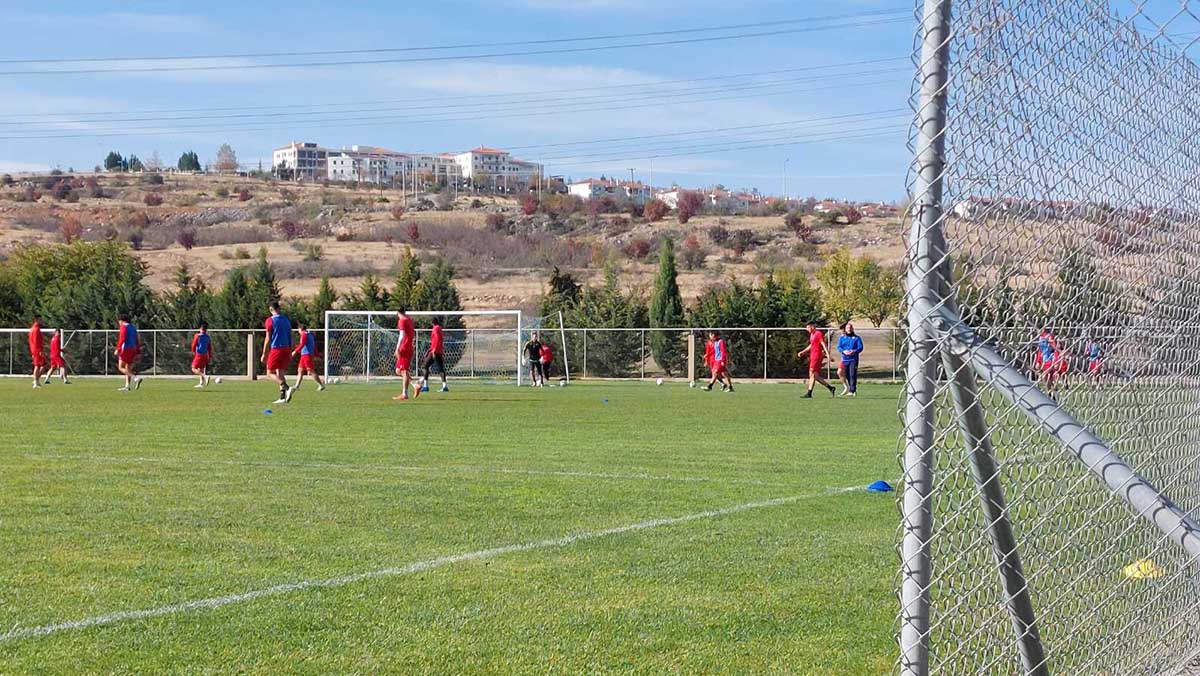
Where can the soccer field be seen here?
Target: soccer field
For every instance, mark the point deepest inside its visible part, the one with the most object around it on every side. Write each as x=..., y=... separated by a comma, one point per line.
x=616, y=527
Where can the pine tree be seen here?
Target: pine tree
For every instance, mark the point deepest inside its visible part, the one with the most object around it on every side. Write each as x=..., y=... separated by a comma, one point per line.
x=408, y=280
x=324, y=300
x=114, y=162
x=234, y=305
x=666, y=311
x=436, y=292
x=264, y=288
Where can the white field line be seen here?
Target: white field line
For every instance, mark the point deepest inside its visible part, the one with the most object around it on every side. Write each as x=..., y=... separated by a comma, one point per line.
x=416, y=567
x=448, y=469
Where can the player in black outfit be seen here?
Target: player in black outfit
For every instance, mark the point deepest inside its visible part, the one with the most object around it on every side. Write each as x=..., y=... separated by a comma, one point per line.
x=533, y=354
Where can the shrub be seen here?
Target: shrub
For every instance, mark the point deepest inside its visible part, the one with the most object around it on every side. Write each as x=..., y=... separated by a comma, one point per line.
x=529, y=204
x=6, y=180
x=444, y=201
x=638, y=248
x=244, y=195
x=636, y=210
x=413, y=231
x=242, y=253
x=313, y=252
x=741, y=241
x=93, y=186
x=72, y=197
x=852, y=215
x=476, y=203
x=136, y=237
x=290, y=229
x=222, y=192
x=497, y=221
x=343, y=236
x=70, y=229
x=693, y=253
x=398, y=212
x=718, y=234
x=186, y=238
x=152, y=179
x=794, y=221
x=830, y=217
x=153, y=199
x=688, y=206
x=136, y=219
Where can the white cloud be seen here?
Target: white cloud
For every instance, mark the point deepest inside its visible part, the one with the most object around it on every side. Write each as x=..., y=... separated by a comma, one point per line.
x=21, y=167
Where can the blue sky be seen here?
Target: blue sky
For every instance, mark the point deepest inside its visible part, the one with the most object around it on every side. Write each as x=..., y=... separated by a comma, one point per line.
x=402, y=102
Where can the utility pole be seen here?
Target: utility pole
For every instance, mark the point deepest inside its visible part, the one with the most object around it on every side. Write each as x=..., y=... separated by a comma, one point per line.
x=785, y=192
x=651, y=178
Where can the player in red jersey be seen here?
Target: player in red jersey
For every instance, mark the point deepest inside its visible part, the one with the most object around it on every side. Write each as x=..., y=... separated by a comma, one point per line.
x=201, y=354
x=37, y=351
x=708, y=352
x=58, y=362
x=547, y=360
x=404, y=353
x=129, y=348
x=435, y=357
x=277, y=351
x=718, y=363
x=817, y=356
x=306, y=350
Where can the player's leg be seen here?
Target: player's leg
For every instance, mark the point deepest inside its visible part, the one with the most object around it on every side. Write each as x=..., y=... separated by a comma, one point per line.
x=728, y=379
x=441, y=365
x=317, y=377
x=299, y=376
x=852, y=376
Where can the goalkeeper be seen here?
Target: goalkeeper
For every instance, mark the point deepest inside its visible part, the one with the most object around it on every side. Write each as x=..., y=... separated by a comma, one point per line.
x=533, y=356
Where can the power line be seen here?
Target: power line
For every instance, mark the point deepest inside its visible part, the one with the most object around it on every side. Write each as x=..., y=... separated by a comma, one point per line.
x=456, y=57
x=503, y=106
x=476, y=45
x=505, y=95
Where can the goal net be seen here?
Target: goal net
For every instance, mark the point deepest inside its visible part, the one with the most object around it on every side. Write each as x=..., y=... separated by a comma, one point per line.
x=1051, y=451
x=483, y=345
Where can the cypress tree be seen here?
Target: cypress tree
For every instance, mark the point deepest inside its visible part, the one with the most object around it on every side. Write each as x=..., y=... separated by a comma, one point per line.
x=666, y=311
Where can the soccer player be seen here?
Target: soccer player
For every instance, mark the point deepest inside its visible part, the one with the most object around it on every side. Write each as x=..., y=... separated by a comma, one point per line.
x=58, y=363
x=708, y=353
x=404, y=353
x=547, y=360
x=37, y=351
x=849, y=347
x=129, y=348
x=277, y=351
x=201, y=354
x=816, y=360
x=1047, y=358
x=533, y=355
x=435, y=355
x=306, y=349
x=719, y=363
x=1095, y=359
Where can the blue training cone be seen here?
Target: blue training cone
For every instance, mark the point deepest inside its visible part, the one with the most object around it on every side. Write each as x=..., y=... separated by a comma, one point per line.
x=880, y=486
x=267, y=411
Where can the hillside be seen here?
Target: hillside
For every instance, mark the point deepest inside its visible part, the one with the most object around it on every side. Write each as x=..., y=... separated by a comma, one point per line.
x=502, y=257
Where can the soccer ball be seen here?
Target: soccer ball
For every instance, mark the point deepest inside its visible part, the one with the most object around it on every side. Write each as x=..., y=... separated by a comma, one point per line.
x=562, y=383
x=217, y=380
x=692, y=384
x=658, y=382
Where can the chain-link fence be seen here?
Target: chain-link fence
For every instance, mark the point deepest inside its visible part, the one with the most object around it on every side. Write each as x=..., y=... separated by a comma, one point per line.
x=1051, y=450
x=483, y=353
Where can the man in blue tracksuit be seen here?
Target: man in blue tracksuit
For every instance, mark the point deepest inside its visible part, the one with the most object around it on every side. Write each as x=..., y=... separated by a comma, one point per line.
x=849, y=347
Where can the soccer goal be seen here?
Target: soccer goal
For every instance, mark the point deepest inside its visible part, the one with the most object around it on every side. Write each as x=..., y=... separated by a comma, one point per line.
x=484, y=344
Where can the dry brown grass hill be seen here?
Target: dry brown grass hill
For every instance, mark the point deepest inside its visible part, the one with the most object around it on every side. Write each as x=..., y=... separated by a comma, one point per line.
x=502, y=257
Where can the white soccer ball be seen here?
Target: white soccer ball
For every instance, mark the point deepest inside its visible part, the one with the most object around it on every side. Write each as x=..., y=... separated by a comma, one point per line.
x=562, y=383
x=658, y=382
x=692, y=384
x=217, y=380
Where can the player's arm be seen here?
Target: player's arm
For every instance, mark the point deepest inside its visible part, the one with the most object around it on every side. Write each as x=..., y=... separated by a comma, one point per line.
x=195, y=341
x=120, y=341
x=266, y=340
x=803, y=352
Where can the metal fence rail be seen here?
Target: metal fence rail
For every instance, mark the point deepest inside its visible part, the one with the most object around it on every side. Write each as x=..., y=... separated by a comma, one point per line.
x=756, y=353
x=1049, y=502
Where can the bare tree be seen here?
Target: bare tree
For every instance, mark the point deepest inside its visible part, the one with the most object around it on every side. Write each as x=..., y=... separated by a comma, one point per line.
x=154, y=162
x=226, y=159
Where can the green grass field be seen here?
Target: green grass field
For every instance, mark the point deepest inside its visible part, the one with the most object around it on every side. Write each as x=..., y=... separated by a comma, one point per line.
x=596, y=528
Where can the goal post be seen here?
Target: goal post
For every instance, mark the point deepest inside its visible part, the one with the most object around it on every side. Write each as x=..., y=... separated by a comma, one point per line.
x=484, y=345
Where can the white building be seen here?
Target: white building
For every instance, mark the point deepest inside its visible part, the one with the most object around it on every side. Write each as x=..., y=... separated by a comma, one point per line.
x=300, y=161
x=594, y=188
x=496, y=166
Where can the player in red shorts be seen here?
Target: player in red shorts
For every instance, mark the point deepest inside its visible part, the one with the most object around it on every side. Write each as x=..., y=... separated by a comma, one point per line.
x=1095, y=360
x=58, y=362
x=718, y=363
x=201, y=354
x=547, y=360
x=129, y=348
x=306, y=350
x=37, y=351
x=817, y=356
x=277, y=351
x=404, y=353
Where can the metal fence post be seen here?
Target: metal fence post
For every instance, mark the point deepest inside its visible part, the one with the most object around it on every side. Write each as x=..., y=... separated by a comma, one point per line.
x=642, y=354
x=916, y=514
x=473, y=354
x=11, y=339
x=764, y=354
x=106, y=353
x=154, y=352
x=585, y=353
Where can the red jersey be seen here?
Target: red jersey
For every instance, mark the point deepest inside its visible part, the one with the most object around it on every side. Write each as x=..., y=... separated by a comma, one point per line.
x=708, y=352
x=35, y=339
x=435, y=340
x=547, y=354
x=404, y=324
x=816, y=346
x=55, y=347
